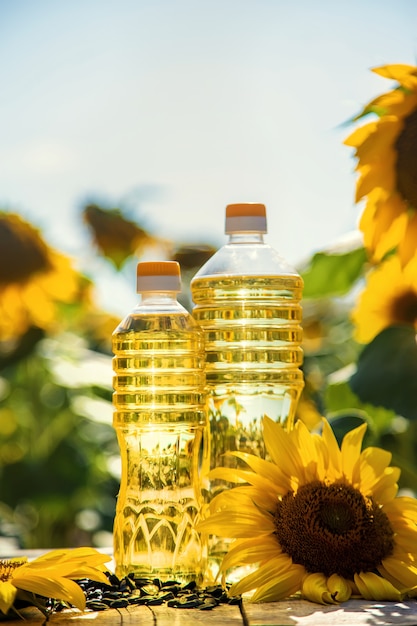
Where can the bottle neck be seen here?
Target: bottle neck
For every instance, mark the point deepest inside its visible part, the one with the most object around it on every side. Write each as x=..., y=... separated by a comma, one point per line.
x=250, y=237
x=149, y=297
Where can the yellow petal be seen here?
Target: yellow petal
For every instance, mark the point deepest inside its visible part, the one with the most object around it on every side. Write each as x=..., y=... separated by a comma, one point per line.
x=268, y=572
x=7, y=595
x=361, y=134
x=406, y=538
x=305, y=442
x=238, y=524
x=58, y=588
x=255, y=550
x=374, y=587
x=245, y=476
x=282, y=586
x=402, y=507
x=339, y=588
x=406, y=75
x=314, y=588
x=318, y=588
x=351, y=450
x=376, y=478
x=332, y=447
x=233, y=500
x=407, y=247
x=386, y=488
x=281, y=447
x=268, y=470
x=380, y=142
x=390, y=224
x=379, y=174
x=403, y=571
x=396, y=102
x=262, y=498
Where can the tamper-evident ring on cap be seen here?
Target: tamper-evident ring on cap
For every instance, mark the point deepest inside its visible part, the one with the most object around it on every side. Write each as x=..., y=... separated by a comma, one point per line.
x=245, y=217
x=158, y=276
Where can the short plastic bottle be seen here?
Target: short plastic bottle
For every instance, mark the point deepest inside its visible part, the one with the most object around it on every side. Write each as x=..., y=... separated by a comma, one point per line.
x=247, y=300
x=160, y=418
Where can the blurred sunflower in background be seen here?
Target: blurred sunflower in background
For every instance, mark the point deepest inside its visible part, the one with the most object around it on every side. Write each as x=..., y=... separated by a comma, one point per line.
x=116, y=237
x=318, y=519
x=389, y=298
x=387, y=166
x=385, y=312
x=34, y=281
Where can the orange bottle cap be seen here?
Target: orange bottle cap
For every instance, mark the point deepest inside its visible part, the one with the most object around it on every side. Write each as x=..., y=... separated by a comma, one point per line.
x=245, y=217
x=158, y=276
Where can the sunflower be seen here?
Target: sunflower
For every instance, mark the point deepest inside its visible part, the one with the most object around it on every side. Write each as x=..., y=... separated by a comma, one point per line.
x=52, y=575
x=116, y=237
x=389, y=298
x=34, y=279
x=317, y=519
x=387, y=166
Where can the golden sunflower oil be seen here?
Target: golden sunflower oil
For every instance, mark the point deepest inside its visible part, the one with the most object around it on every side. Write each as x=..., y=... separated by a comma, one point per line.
x=160, y=419
x=247, y=300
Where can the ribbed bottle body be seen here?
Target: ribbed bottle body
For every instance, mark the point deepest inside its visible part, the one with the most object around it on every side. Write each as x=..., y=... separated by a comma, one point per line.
x=247, y=300
x=160, y=419
x=253, y=335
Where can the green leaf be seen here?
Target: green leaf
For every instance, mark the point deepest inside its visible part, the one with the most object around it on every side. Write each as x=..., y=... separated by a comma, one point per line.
x=343, y=422
x=333, y=274
x=341, y=401
x=387, y=371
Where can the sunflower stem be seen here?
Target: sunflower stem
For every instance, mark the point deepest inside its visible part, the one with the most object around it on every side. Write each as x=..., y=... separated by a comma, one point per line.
x=245, y=620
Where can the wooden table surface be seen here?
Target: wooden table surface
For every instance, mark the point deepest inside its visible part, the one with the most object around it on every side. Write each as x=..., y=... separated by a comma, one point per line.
x=288, y=612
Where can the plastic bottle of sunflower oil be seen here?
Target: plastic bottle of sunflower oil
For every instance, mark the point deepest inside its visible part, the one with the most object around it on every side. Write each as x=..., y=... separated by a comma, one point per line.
x=247, y=301
x=160, y=417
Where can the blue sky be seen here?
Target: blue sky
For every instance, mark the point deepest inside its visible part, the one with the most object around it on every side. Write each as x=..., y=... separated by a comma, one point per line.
x=180, y=107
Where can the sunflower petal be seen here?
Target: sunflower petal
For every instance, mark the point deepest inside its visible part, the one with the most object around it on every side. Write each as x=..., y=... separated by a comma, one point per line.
x=390, y=224
x=380, y=174
x=407, y=247
x=361, y=134
x=7, y=595
x=406, y=75
x=238, y=524
x=253, y=495
x=403, y=571
x=351, y=450
x=376, y=477
x=318, y=588
x=267, y=573
x=243, y=476
x=305, y=442
x=58, y=588
x=334, y=455
x=374, y=587
x=75, y=557
x=339, y=588
x=281, y=447
x=266, y=469
x=282, y=586
x=403, y=507
x=255, y=550
x=380, y=142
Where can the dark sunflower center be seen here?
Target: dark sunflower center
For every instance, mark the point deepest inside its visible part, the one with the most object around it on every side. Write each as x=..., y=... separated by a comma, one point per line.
x=406, y=167
x=22, y=251
x=333, y=529
x=404, y=307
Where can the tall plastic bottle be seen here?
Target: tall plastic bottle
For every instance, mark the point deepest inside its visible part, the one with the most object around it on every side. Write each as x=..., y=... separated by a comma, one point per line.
x=160, y=418
x=247, y=301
